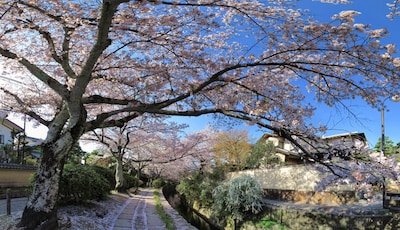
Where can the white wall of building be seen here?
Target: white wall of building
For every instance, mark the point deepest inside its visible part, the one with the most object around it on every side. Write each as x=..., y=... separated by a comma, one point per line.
x=6, y=132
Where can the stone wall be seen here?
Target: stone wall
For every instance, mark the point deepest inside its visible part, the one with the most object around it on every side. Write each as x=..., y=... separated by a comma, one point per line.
x=301, y=183
x=311, y=197
x=311, y=220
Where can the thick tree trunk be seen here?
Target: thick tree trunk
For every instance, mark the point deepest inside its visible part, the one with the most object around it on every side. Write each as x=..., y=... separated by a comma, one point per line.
x=119, y=175
x=41, y=211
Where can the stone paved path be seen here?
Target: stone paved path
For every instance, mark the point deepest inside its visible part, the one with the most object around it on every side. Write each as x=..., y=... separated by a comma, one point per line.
x=138, y=213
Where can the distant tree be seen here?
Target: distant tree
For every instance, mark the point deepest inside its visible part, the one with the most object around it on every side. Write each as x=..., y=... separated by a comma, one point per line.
x=199, y=186
x=132, y=142
x=262, y=154
x=232, y=149
x=390, y=147
x=76, y=155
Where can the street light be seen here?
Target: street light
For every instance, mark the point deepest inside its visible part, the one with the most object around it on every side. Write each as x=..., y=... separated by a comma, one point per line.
x=395, y=98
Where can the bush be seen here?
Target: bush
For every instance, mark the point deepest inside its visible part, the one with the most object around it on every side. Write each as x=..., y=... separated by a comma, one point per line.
x=199, y=187
x=190, y=188
x=158, y=183
x=129, y=181
x=107, y=174
x=239, y=199
x=80, y=183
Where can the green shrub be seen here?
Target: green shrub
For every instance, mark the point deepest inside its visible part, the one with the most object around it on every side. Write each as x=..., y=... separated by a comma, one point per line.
x=199, y=186
x=190, y=188
x=80, y=183
x=107, y=174
x=266, y=223
x=158, y=183
x=239, y=199
x=129, y=181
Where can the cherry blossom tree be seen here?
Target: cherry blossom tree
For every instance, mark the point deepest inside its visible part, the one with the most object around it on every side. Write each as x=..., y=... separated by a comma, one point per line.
x=133, y=138
x=88, y=65
x=394, y=9
x=189, y=153
x=155, y=144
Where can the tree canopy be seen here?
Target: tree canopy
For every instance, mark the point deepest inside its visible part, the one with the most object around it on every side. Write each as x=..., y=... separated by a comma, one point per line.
x=390, y=147
x=232, y=148
x=84, y=65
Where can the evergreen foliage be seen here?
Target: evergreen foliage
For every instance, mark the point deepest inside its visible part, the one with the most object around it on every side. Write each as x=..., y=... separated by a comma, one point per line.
x=199, y=187
x=80, y=183
x=130, y=181
x=238, y=199
x=262, y=154
x=390, y=147
x=107, y=174
x=158, y=183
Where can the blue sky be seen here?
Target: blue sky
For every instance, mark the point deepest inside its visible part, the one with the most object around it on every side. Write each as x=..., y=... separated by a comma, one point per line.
x=373, y=12
x=368, y=119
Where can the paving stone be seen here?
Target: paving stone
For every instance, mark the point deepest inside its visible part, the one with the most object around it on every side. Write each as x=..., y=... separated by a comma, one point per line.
x=123, y=223
x=140, y=212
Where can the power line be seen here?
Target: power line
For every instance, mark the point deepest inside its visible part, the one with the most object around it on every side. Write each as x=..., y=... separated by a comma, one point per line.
x=12, y=80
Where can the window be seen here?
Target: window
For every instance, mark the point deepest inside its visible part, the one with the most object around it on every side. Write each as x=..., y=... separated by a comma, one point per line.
x=1, y=139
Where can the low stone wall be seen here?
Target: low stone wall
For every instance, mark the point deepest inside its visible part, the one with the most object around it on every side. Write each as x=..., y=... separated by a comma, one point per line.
x=311, y=197
x=311, y=220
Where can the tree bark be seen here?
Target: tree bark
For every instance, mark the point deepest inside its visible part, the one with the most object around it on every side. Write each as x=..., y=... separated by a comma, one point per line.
x=41, y=211
x=119, y=175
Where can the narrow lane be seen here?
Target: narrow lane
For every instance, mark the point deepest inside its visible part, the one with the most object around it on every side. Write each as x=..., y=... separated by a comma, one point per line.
x=140, y=214
x=139, y=220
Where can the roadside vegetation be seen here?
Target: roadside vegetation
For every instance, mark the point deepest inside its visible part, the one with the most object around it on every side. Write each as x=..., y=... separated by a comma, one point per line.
x=168, y=221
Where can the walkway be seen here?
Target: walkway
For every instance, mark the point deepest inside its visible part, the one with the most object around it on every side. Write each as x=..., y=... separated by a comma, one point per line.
x=17, y=204
x=139, y=213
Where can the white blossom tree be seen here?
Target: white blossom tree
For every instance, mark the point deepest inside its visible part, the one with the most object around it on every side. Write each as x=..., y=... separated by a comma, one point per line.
x=131, y=139
x=177, y=156
x=95, y=64
x=155, y=144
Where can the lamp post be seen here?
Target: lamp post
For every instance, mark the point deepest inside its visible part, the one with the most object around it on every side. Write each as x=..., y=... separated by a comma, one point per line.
x=395, y=98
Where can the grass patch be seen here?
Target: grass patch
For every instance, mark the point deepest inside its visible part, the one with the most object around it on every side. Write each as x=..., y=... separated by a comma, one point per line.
x=168, y=221
x=266, y=223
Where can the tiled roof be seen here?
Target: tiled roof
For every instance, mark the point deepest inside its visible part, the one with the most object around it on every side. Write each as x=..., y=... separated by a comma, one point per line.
x=17, y=166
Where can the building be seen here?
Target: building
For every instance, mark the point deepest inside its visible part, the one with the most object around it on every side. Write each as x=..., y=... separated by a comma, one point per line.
x=291, y=156
x=8, y=130
x=355, y=139
x=14, y=141
x=284, y=149
x=307, y=183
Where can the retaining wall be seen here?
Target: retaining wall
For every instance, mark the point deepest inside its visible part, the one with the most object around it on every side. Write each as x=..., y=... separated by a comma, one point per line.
x=301, y=183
